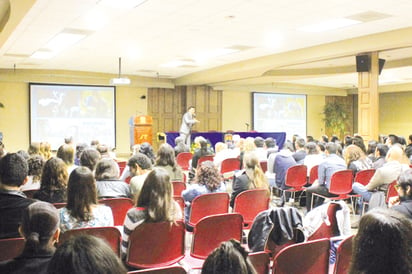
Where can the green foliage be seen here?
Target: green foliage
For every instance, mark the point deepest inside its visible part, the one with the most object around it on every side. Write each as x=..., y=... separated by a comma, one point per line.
x=335, y=117
x=1, y=105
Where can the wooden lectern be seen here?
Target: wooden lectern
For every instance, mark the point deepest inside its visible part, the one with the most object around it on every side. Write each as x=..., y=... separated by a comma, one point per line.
x=143, y=129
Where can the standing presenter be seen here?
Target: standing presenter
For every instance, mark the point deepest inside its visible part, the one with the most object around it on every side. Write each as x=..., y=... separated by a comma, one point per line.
x=188, y=120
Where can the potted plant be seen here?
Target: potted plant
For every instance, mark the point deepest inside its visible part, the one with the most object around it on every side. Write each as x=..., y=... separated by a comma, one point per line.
x=335, y=118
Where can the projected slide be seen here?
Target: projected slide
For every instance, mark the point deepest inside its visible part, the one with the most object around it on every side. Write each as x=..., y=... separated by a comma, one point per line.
x=84, y=112
x=273, y=112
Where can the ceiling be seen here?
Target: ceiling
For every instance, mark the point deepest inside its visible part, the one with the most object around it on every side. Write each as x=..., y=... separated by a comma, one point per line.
x=271, y=47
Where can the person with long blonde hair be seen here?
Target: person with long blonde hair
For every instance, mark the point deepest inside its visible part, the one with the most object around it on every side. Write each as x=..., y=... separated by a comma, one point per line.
x=249, y=178
x=356, y=159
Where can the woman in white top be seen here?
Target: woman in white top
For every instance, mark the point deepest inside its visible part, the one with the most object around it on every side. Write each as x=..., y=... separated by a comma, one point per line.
x=82, y=209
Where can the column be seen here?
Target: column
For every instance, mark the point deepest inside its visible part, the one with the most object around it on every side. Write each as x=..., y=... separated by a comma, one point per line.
x=368, y=100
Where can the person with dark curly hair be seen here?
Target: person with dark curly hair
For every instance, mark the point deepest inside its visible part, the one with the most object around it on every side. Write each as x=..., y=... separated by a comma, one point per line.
x=207, y=180
x=35, y=163
x=53, y=184
x=229, y=258
x=382, y=244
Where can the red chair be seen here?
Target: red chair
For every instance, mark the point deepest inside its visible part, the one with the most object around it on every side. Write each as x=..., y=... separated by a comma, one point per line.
x=313, y=174
x=260, y=261
x=183, y=159
x=156, y=245
x=119, y=207
x=11, y=248
x=229, y=166
x=59, y=205
x=340, y=185
x=391, y=192
x=327, y=230
x=180, y=201
x=205, y=158
x=122, y=165
x=161, y=270
x=364, y=176
x=296, y=179
x=208, y=204
x=264, y=166
x=108, y=233
x=211, y=231
x=303, y=258
x=249, y=203
x=343, y=256
x=178, y=187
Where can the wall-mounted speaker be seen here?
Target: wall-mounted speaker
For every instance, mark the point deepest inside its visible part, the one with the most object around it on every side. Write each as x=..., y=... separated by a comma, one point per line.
x=362, y=63
x=381, y=64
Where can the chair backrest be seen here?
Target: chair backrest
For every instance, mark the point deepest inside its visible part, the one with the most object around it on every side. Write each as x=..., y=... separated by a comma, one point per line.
x=364, y=176
x=229, y=165
x=108, y=233
x=156, y=245
x=343, y=256
x=205, y=158
x=183, y=159
x=328, y=230
x=250, y=202
x=11, y=248
x=260, y=261
x=296, y=177
x=211, y=231
x=59, y=205
x=175, y=269
x=178, y=187
x=119, y=207
x=313, y=174
x=391, y=192
x=208, y=204
x=180, y=201
x=341, y=182
x=264, y=166
x=302, y=258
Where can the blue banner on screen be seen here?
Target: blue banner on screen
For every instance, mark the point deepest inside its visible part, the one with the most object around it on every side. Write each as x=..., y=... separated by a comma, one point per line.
x=83, y=112
x=274, y=112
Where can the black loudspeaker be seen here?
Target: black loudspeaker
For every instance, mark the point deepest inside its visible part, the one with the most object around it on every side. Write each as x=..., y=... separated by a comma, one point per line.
x=381, y=64
x=362, y=63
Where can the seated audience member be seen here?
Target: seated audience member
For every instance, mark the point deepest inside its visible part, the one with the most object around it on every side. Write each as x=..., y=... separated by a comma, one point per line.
x=2, y=149
x=139, y=167
x=66, y=153
x=330, y=165
x=89, y=158
x=147, y=150
x=271, y=146
x=13, y=173
x=408, y=149
x=324, y=138
x=384, y=175
x=53, y=186
x=403, y=202
x=103, y=150
x=223, y=152
x=248, y=146
x=380, y=156
x=155, y=204
x=35, y=164
x=107, y=182
x=382, y=244
x=370, y=152
x=40, y=229
x=85, y=254
x=180, y=145
x=249, y=178
x=80, y=147
x=24, y=154
x=34, y=149
x=313, y=157
x=45, y=150
x=260, y=150
x=82, y=209
x=207, y=180
x=300, y=152
x=229, y=258
x=94, y=143
x=203, y=150
x=355, y=159
x=166, y=159
x=357, y=140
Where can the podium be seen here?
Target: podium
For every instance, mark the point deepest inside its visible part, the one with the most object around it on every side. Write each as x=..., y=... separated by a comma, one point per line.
x=143, y=129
